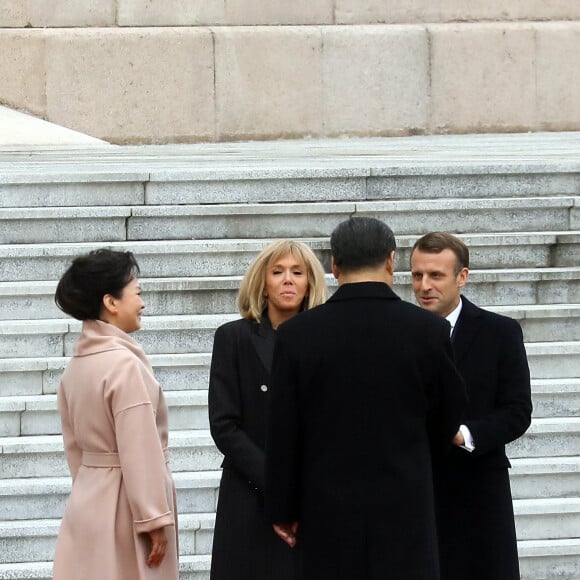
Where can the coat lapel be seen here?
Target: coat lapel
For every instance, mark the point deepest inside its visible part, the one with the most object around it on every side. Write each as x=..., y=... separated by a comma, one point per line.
x=263, y=337
x=467, y=327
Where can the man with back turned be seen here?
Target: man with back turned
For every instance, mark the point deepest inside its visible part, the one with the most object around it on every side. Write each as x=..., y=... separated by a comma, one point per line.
x=365, y=395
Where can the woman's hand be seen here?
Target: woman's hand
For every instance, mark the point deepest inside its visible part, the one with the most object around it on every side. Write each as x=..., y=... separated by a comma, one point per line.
x=158, y=547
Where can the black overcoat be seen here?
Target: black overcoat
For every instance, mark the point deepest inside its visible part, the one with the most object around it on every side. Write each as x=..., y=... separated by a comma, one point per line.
x=244, y=545
x=475, y=512
x=364, y=390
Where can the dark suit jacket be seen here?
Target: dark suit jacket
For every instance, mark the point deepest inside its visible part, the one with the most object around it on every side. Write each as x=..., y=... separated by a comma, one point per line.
x=244, y=544
x=363, y=388
x=476, y=522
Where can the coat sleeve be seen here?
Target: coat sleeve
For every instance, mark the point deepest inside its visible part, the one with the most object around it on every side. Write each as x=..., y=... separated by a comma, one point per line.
x=447, y=397
x=72, y=451
x=512, y=411
x=225, y=410
x=140, y=451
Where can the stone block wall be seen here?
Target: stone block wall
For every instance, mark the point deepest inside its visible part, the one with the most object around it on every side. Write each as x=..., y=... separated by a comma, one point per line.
x=143, y=71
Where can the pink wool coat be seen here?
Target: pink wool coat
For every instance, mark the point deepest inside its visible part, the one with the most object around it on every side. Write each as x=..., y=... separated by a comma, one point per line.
x=114, y=424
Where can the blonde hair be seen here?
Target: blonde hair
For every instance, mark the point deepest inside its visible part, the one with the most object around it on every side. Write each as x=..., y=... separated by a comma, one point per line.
x=251, y=299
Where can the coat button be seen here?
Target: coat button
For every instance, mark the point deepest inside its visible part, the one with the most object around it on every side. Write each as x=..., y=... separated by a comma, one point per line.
x=264, y=388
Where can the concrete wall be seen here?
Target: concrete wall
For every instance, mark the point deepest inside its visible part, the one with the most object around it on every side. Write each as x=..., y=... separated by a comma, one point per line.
x=139, y=71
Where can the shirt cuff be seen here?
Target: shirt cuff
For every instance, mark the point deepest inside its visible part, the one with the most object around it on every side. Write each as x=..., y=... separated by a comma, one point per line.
x=469, y=444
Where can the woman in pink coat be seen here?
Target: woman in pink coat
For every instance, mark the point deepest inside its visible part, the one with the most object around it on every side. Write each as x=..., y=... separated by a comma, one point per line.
x=120, y=521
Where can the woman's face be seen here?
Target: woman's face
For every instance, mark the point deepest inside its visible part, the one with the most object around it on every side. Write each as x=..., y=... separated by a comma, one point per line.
x=286, y=286
x=128, y=308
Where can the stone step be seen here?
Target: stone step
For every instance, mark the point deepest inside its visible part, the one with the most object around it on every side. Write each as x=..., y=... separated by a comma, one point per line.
x=37, y=414
x=539, y=560
x=549, y=559
x=219, y=221
x=39, y=262
x=40, y=375
x=159, y=335
x=447, y=166
x=545, y=477
x=63, y=224
x=162, y=296
x=37, y=376
x=499, y=153
x=319, y=219
x=34, y=540
x=194, y=333
x=547, y=437
x=26, y=571
x=347, y=179
x=95, y=187
x=547, y=359
x=547, y=519
x=556, y=397
x=45, y=497
x=42, y=456
x=554, y=322
x=218, y=294
x=179, y=258
x=531, y=478
x=190, y=568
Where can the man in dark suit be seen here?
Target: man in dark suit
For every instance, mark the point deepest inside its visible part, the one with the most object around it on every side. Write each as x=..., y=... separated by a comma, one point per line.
x=477, y=539
x=364, y=394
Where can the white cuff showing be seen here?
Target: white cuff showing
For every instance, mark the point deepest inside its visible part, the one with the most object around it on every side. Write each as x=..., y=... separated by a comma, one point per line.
x=469, y=444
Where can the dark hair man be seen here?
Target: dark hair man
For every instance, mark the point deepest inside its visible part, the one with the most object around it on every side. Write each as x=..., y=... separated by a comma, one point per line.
x=364, y=394
x=477, y=538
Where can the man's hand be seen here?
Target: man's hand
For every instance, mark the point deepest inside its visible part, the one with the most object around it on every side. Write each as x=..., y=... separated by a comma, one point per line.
x=287, y=532
x=458, y=439
x=158, y=547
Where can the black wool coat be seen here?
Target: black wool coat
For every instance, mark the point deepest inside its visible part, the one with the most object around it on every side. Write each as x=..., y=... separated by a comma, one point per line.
x=364, y=392
x=244, y=546
x=475, y=512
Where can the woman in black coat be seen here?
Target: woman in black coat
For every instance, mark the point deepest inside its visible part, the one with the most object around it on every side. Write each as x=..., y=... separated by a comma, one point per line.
x=285, y=278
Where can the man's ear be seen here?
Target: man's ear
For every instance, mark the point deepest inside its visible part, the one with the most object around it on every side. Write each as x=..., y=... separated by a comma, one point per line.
x=334, y=268
x=462, y=277
x=390, y=263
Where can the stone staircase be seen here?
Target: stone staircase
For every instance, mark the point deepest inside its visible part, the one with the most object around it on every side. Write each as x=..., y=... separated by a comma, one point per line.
x=197, y=215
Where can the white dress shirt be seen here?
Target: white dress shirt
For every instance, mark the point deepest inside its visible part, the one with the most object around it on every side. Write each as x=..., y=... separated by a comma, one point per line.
x=452, y=318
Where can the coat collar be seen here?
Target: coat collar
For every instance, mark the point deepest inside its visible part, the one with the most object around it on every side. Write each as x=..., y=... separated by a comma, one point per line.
x=363, y=290
x=468, y=325
x=98, y=336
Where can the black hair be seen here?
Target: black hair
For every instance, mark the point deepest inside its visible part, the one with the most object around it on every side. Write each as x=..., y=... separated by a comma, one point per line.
x=81, y=289
x=361, y=242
